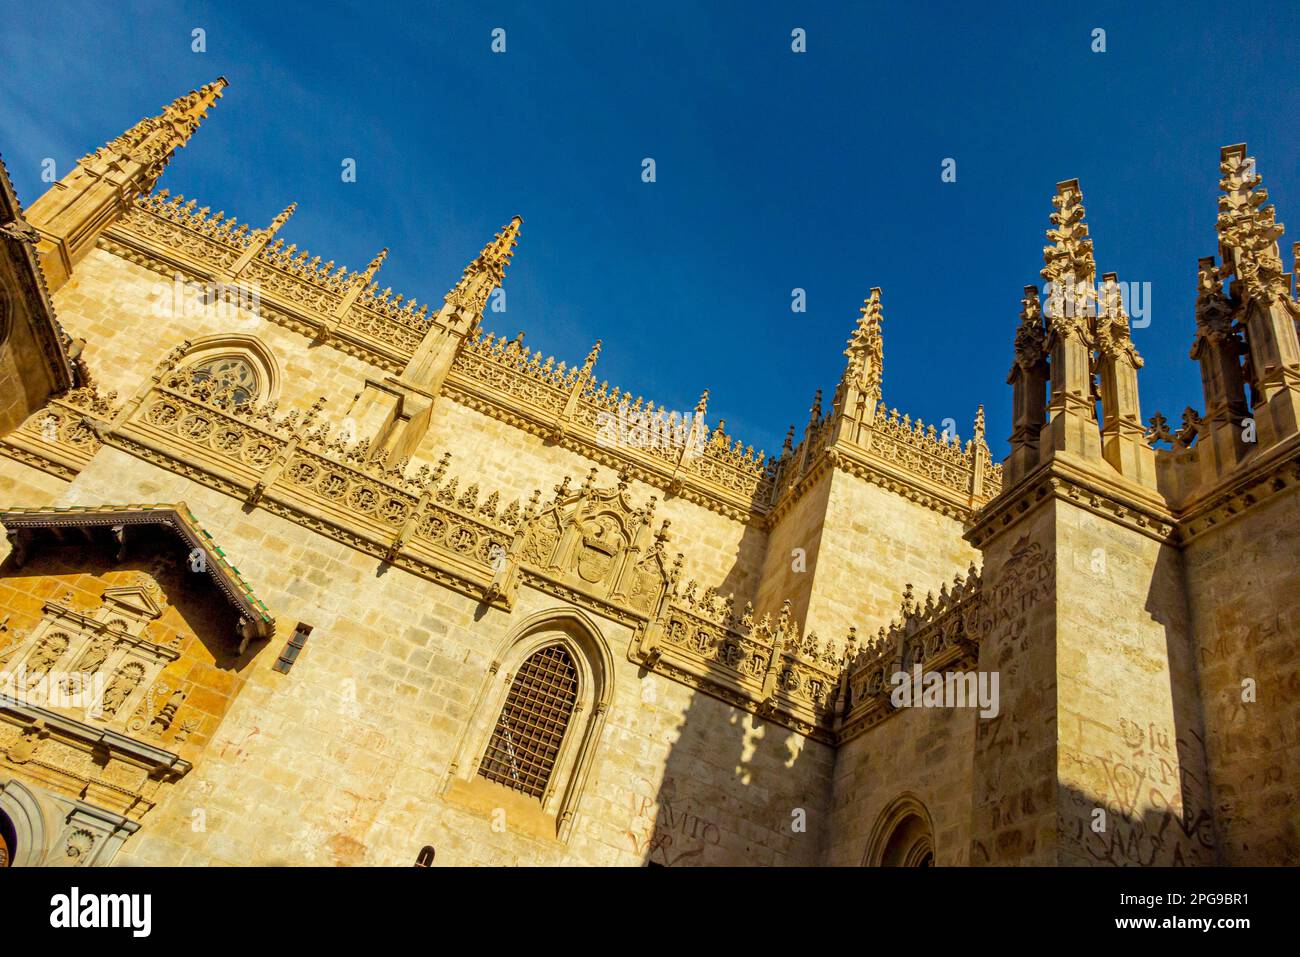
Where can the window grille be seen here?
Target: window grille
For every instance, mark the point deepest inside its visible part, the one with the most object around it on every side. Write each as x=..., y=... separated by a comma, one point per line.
x=291, y=649
x=527, y=736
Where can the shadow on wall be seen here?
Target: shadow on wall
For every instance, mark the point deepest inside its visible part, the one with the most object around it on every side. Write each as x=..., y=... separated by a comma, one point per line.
x=80, y=566
x=736, y=789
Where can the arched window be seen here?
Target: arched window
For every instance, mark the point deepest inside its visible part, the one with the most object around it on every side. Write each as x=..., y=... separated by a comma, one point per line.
x=229, y=372
x=536, y=723
x=528, y=734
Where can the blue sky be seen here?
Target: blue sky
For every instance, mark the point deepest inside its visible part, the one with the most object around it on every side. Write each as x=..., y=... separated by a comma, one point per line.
x=775, y=170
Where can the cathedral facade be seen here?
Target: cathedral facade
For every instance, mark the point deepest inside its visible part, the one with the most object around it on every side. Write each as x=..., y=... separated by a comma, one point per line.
x=299, y=571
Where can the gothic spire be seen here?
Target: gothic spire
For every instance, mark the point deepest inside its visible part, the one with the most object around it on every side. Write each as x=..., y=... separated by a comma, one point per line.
x=95, y=193
x=153, y=140
x=487, y=270
x=865, y=350
x=1069, y=268
x=1248, y=231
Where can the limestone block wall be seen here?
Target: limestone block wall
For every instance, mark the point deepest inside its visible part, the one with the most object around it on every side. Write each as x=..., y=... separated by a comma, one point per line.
x=872, y=543
x=862, y=544
x=1097, y=757
x=1014, y=778
x=922, y=752
x=1130, y=733
x=27, y=487
x=343, y=761
x=787, y=574
x=1245, y=608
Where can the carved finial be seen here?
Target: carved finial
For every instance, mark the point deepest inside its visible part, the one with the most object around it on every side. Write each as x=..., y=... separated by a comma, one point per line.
x=1069, y=267
x=280, y=220
x=373, y=268
x=661, y=536
x=590, y=362
x=1112, y=334
x=590, y=482
x=866, y=351
x=787, y=447
x=531, y=508
x=1031, y=335
x=1213, y=308
x=702, y=406
x=1248, y=231
x=979, y=426
x=441, y=468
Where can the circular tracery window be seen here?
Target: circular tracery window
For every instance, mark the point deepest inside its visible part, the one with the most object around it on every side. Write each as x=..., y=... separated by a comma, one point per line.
x=229, y=371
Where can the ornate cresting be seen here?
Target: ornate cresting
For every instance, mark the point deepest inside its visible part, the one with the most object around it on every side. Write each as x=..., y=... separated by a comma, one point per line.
x=943, y=634
x=766, y=666
x=60, y=438
x=506, y=379
x=561, y=401
x=290, y=465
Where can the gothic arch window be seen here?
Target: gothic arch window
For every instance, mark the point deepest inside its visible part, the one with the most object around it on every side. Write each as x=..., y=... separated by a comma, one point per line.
x=233, y=372
x=527, y=737
x=903, y=836
x=535, y=725
x=242, y=362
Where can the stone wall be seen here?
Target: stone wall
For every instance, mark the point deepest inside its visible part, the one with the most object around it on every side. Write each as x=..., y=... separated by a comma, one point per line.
x=873, y=544
x=1245, y=610
x=343, y=761
x=925, y=753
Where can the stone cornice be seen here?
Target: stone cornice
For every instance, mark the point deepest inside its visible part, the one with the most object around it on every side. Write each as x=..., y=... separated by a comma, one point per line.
x=160, y=762
x=1255, y=481
x=1065, y=479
